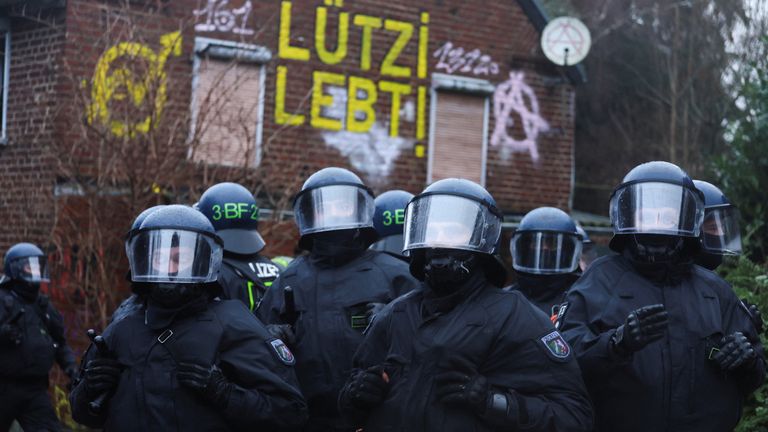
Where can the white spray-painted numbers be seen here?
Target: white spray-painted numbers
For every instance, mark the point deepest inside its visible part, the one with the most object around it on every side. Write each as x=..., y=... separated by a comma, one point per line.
x=457, y=59
x=515, y=99
x=220, y=17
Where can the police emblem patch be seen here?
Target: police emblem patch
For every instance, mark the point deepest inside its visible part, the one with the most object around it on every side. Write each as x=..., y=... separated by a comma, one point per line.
x=283, y=353
x=556, y=345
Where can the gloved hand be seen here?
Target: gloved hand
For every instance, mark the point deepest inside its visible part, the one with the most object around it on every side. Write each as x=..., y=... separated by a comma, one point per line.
x=372, y=309
x=207, y=382
x=11, y=333
x=459, y=384
x=71, y=372
x=284, y=332
x=643, y=326
x=365, y=389
x=735, y=351
x=101, y=375
x=754, y=315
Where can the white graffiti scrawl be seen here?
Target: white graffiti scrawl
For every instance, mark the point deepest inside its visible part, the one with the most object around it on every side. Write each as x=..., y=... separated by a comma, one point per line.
x=514, y=99
x=222, y=18
x=457, y=59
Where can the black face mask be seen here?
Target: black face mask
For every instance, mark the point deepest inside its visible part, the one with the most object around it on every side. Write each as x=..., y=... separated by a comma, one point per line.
x=27, y=291
x=173, y=295
x=656, y=249
x=446, y=271
x=708, y=260
x=337, y=247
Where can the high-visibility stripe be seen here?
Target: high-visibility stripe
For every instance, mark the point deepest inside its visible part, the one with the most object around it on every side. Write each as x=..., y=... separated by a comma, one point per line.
x=250, y=295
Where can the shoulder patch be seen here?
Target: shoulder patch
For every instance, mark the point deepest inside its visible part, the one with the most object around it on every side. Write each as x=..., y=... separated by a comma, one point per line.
x=283, y=353
x=556, y=345
x=558, y=319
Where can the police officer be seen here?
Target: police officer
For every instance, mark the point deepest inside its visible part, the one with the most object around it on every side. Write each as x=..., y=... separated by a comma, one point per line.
x=546, y=248
x=31, y=339
x=328, y=296
x=245, y=274
x=388, y=219
x=721, y=236
x=188, y=361
x=588, y=252
x=663, y=344
x=139, y=290
x=459, y=354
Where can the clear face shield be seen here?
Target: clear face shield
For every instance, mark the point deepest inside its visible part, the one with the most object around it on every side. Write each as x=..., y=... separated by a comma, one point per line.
x=656, y=208
x=545, y=253
x=331, y=208
x=451, y=222
x=173, y=256
x=720, y=232
x=32, y=269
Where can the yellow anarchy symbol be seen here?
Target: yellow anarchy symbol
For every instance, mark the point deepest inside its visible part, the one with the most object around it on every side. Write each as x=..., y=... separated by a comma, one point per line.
x=118, y=82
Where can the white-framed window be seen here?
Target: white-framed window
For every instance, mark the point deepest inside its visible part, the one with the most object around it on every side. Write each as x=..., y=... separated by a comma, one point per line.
x=5, y=70
x=227, y=102
x=458, y=128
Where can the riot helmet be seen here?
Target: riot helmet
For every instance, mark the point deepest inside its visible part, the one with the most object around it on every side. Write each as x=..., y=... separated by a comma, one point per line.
x=720, y=232
x=454, y=215
x=588, y=252
x=25, y=262
x=234, y=214
x=389, y=220
x=334, y=199
x=656, y=205
x=175, y=245
x=137, y=223
x=546, y=242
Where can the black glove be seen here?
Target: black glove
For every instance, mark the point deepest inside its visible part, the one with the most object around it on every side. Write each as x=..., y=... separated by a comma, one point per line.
x=643, y=326
x=365, y=389
x=754, y=315
x=459, y=384
x=101, y=375
x=284, y=332
x=735, y=351
x=372, y=309
x=208, y=382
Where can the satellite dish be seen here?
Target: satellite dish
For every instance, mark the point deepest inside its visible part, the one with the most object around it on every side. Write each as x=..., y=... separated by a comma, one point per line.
x=565, y=41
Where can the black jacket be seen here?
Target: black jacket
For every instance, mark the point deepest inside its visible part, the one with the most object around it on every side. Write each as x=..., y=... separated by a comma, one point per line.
x=149, y=397
x=42, y=339
x=246, y=278
x=331, y=303
x=544, y=292
x=669, y=385
x=502, y=334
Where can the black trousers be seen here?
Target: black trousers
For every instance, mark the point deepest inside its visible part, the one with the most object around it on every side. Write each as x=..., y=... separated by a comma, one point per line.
x=29, y=404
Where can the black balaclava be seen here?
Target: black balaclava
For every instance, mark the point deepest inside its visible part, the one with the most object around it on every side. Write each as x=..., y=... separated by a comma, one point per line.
x=27, y=291
x=166, y=301
x=446, y=270
x=709, y=261
x=660, y=258
x=543, y=287
x=336, y=248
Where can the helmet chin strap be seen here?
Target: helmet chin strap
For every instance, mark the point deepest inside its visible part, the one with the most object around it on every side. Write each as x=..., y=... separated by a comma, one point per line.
x=446, y=270
x=656, y=249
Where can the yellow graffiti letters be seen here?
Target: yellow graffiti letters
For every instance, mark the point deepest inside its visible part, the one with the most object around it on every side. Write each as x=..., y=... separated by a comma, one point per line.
x=320, y=99
x=321, y=20
x=127, y=73
x=356, y=105
x=285, y=50
x=281, y=117
x=423, y=46
x=388, y=66
x=421, y=103
x=397, y=90
x=368, y=23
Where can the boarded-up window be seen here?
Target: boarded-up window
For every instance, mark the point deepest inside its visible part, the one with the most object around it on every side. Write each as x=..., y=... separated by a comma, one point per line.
x=458, y=136
x=227, y=112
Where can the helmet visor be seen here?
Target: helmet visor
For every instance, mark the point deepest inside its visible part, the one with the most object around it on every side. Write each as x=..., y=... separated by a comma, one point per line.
x=31, y=269
x=656, y=208
x=331, y=208
x=450, y=222
x=720, y=231
x=173, y=255
x=545, y=252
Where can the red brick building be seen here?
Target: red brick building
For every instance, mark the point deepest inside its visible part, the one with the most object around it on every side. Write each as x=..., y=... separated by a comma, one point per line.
x=98, y=94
